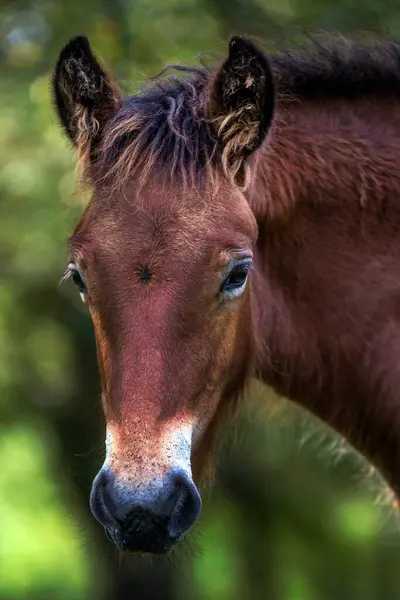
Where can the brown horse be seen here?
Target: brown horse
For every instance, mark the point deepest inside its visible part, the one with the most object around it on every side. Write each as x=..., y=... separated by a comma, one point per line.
x=244, y=223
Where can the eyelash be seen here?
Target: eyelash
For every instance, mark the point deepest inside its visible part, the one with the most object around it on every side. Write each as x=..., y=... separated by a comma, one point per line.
x=71, y=272
x=66, y=276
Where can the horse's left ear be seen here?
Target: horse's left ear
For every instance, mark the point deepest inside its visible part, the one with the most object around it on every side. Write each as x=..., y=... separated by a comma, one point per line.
x=84, y=95
x=242, y=102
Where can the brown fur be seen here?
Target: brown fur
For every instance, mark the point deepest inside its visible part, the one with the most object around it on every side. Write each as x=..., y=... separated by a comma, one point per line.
x=320, y=318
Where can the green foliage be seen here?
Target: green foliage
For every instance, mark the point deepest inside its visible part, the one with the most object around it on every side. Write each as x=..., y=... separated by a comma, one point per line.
x=291, y=518
x=39, y=540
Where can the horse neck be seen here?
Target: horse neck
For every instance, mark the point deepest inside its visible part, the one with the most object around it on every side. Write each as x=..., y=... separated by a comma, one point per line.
x=324, y=188
x=325, y=195
x=327, y=150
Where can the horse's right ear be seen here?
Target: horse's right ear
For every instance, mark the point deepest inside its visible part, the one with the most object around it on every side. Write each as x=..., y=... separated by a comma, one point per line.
x=84, y=95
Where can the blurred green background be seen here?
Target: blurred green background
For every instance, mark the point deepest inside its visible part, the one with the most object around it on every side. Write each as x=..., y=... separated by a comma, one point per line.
x=295, y=515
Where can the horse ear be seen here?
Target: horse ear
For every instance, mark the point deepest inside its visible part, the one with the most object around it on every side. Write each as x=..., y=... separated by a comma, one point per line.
x=242, y=102
x=84, y=95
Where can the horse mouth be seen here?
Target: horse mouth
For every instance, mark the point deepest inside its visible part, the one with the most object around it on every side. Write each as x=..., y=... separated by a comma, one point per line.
x=135, y=540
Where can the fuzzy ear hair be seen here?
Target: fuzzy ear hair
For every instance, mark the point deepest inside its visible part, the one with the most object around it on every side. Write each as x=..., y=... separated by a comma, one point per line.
x=84, y=95
x=242, y=102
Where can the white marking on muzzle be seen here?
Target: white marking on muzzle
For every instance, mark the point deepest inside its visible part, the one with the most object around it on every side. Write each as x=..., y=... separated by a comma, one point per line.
x=151, y=475
x=109, y=446
x=176, y=446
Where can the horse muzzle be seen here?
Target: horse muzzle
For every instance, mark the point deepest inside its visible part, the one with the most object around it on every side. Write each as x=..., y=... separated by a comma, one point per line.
x=149, y=519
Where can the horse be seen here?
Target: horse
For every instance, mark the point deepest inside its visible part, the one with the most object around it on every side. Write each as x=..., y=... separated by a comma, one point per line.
x=243, y=224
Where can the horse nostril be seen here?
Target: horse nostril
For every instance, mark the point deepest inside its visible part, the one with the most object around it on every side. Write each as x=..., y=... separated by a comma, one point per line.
x=187, y=506
x=101, y=503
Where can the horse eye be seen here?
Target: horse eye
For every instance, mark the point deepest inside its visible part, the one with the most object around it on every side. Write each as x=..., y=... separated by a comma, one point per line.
x=236, y=280
x=78, y=281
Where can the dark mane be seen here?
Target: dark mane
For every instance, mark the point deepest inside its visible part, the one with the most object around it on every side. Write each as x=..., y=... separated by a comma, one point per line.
x=165, y=129
x=338, y=67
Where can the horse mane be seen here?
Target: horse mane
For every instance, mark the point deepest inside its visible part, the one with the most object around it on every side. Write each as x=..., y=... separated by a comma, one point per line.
x=165, y=130
x=333, y=66
x=162, y=129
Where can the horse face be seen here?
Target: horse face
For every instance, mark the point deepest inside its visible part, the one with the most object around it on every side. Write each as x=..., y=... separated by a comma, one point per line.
x=162, y=257
x=166, y=284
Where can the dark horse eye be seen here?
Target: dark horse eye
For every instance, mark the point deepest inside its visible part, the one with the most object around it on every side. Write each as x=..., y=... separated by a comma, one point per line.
x=236, y=279
x=78, y=281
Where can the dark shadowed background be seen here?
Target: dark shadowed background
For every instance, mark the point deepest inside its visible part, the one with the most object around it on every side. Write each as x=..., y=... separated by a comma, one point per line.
x=295, y=514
